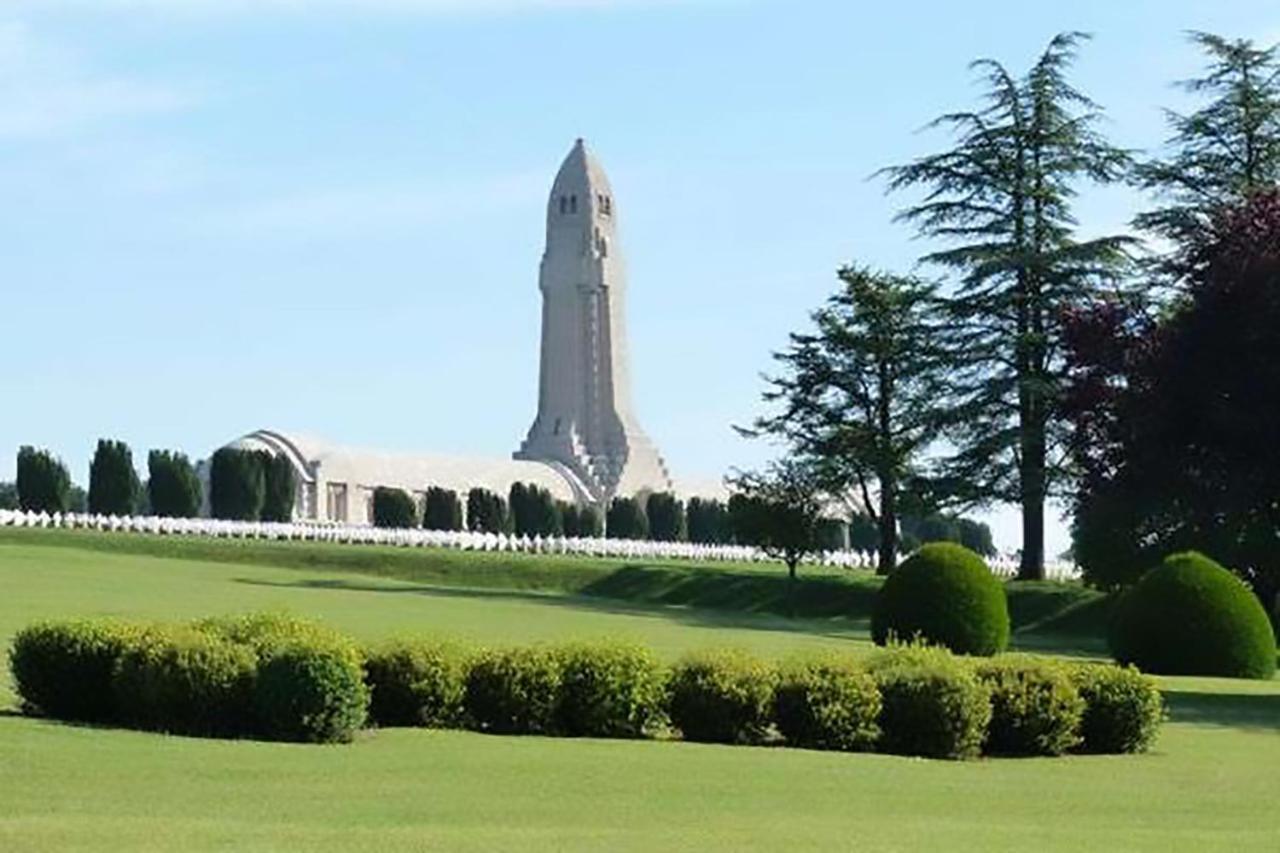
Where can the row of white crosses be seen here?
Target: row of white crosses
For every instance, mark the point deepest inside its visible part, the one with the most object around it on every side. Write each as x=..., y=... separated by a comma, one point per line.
x=457, y=539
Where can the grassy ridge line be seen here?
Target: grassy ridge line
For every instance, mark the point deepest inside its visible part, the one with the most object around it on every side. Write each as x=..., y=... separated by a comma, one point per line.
x=822, y=593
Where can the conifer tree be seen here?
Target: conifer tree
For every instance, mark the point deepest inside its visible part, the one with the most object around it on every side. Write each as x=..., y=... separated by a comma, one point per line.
x=113, y=482
x=172, y=485
x=43, y=483
x=861, y=396
x=1002, y=197
x=1222, y=153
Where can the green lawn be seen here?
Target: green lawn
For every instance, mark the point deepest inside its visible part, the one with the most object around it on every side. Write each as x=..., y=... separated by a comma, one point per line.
x=1211, y=783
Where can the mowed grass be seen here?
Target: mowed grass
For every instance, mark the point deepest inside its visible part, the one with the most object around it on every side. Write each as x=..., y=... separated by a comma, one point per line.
x=1211, y=783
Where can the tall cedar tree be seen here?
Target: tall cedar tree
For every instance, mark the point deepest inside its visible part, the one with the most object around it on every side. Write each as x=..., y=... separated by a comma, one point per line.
x=667, y=519
x=173, y=485
x=1221, y=154
x=113, y=483
x=393, y=508
x=861, y=395
x=1003, y=197
x=441, y=510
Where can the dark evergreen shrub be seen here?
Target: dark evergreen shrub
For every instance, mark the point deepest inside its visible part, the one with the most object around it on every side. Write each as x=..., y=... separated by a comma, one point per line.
x=279, y=487
x=514, y=691
x=827, y=701
x=9, y=496
x=486, y=512
x=590, y=524
x=186, y=681
x=931, y=704
x=518, y=507
x=113, y=482
x=1123, y=708
x=667, y=522
x=570, y=519
x=943, y=594
x=1035, y=706
x=311, y=691
x=722, y=696
x=442, y=510
x=64, y=669
x=237, y=484
x=173, y=488
x=708, y=521
x=43, y=482
x=393, y=508
x=1190, y=616
x=545, y=513
x=626, y=520
x=417, y=683
x=611, y=690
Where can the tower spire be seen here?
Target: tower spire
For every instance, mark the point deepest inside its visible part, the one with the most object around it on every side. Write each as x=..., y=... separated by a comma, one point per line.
x=585, y=421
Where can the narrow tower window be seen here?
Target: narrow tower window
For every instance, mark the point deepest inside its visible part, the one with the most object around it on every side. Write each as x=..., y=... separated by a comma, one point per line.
x=563, y=204
x=573, y=204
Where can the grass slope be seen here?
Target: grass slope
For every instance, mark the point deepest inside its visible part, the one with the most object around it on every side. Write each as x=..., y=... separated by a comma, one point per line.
x=1063, y=617
x=1209, y=785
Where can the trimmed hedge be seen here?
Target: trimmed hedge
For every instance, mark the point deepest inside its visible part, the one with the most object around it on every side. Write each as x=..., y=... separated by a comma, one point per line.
x=65, y=669
x=393, y=508
x=1123, y=708
x=722, y=696
x=278, y=677
x=186, y=681
x=932, y=704
x=514, y=691
x=943, y=594
x=416, y=683
x=827, y=701
x=311, y=692
x=1035, y=706
x=1190, y=616
x=614, y=690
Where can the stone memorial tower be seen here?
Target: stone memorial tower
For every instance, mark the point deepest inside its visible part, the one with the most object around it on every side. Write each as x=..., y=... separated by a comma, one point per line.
x=585, y=424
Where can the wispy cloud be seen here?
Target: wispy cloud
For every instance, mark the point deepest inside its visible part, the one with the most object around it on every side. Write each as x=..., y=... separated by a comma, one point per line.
x=46, y=90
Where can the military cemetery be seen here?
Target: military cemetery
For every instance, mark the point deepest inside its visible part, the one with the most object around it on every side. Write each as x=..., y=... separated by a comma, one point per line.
x=991, y=562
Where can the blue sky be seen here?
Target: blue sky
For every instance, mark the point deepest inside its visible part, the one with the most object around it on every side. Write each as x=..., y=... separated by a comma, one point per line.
x=326, y=216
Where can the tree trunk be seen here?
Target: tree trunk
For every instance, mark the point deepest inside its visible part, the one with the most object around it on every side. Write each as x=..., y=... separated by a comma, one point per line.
x=791, y=587
x=887, y=559
x=1032, y=493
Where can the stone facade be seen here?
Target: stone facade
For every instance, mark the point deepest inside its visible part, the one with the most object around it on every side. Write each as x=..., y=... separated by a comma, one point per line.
x=585, y=420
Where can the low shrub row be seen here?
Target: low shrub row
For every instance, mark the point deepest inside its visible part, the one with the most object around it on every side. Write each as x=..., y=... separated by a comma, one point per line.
x=279, y=678
x=255, y=676
x=908, y=700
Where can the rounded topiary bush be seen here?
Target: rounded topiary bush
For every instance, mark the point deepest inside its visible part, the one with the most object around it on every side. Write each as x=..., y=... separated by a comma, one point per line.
x=1123, y=708
x=514, y=691
x=416, y=683
x=943, y=594
x=311, y=691
x=609, y=690
x=1036, y=708
x=827, y=702
x=64, y=669
x=721, y=696
x=931, y=703
x=178, y=679
x=1190, y=616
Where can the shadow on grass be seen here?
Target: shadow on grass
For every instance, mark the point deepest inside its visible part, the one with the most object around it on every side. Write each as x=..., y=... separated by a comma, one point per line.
x=1234, y=710
x=704, y=617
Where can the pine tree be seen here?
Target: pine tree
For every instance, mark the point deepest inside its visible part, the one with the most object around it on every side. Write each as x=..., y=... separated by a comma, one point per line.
x=172, y=485
x=113, y=482
x=1221, y=154
x=1003, y=198
x=862, y=395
